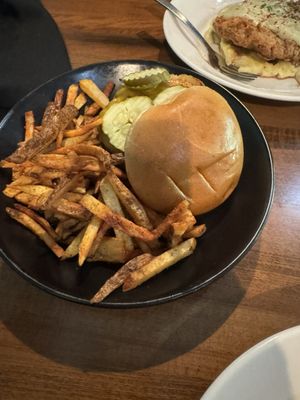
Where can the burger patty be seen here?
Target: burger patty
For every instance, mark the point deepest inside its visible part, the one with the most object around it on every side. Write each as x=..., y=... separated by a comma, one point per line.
x=241, y=31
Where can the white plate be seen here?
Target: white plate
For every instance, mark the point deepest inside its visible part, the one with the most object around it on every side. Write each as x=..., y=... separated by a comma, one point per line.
x=268, y=371
x=200, y=13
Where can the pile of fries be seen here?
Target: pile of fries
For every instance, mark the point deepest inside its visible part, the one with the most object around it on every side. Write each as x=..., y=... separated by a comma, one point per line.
x=74, y=195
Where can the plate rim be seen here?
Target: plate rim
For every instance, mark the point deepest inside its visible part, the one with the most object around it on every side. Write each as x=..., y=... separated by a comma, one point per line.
x=221, y=378
x=179, y=294
x=168, y=18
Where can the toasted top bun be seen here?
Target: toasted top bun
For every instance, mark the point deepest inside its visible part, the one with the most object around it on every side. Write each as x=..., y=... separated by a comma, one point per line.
x=190, y=148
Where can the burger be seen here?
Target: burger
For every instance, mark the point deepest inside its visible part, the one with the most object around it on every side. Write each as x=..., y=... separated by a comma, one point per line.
x=190, y=148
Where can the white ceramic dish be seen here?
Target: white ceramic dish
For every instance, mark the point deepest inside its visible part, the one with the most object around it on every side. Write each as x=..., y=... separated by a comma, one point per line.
x=268, y=371
x=200, y=13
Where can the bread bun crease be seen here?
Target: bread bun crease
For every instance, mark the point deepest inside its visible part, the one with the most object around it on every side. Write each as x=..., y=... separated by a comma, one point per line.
x=190, y=148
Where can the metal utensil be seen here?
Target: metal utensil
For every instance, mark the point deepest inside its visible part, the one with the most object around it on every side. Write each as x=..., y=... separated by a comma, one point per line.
x=215, y=59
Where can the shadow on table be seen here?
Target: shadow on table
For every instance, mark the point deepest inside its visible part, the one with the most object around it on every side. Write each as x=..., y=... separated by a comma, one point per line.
x=117, y=340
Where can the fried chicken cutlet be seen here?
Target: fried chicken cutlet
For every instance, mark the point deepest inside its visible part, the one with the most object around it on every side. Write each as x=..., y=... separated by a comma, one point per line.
x=269, y=27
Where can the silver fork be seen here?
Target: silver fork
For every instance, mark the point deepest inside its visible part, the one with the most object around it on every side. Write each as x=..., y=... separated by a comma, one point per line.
x=215, y=59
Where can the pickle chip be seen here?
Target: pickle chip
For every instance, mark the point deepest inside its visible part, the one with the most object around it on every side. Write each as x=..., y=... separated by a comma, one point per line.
x=120, y=116
x=146, y=79
x=167, y=95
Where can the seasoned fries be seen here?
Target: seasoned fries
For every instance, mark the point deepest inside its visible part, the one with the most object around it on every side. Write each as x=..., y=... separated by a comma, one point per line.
x=73, y=195
x=159, y=263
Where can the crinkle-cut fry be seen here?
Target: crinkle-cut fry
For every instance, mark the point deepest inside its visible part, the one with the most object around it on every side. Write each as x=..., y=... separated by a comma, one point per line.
x=36, y=228
x=132, y=205
x=111, y=249
x=92, y=90
x=72, y=93
x=73, y=248
x=159, y=263
x=115, y=220
x=83, y=128
x=119, y=277
x=195, y=232
x=29, y=125
x=80, y=101
x=111, y=200
x=38, y=218
x=58, y=99
x=100, y=235
x=88, y=239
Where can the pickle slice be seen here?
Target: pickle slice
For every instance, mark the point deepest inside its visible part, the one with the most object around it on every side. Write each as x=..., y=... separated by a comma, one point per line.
x=119, y=117
x=167, y=95
x=146, y=79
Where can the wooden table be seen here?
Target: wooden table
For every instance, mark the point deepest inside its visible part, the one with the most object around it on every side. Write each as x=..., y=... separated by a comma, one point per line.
x=54, y=349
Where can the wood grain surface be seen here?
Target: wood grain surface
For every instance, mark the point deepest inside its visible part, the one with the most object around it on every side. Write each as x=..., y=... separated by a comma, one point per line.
x=54, y=349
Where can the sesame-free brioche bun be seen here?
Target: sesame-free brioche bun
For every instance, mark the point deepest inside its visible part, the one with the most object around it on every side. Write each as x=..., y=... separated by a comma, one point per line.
x=190, y=148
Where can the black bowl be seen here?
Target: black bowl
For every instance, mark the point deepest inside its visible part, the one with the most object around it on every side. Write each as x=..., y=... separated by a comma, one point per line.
x=231, y=228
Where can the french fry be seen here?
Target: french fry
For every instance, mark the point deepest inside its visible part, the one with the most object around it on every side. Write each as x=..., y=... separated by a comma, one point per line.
x=33, y=226
x=195, y=232
x=80, y=101
x=115, y=220
x=35, y=190
x=132, y=205
x=23, y=180
x=68, y=162
x=39, y=219
x=75, y=210
x=119, y=277
x=65, y=184
x=109, y=87
x=29, y=125
x=71, y=141
x=92, y=90
x=111, y=200
x=11, y=192
x=92, y=109
x=28, y=199
x=111, y=249
x=58, y=99
x=88, y=239
x=83, y=128
x=159, y=263
x=73, y=248
x=72, y=94
x=100, y=235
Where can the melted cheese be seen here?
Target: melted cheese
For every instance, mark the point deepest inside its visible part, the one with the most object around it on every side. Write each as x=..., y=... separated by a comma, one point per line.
x=281, y=17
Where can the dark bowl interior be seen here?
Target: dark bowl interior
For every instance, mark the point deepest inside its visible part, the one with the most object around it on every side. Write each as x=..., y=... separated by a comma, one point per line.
x=231, y=228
